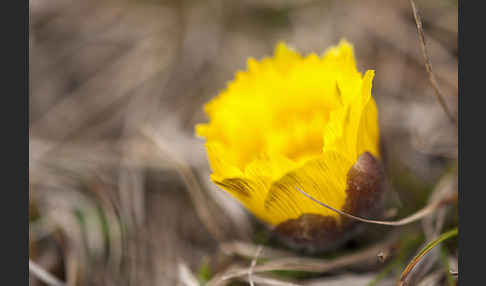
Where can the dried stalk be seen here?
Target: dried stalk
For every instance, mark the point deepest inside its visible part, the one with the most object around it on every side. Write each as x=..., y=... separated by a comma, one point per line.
x=428, y=65
x=248, y=250
x=412, y=218
x=272, y=281
x=311, y=264
x=253, y=263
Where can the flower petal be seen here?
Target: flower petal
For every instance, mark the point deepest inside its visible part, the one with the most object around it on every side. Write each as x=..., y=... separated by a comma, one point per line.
x=353, y=128
x=368, y=132
x=247, y=191
x=323, y=178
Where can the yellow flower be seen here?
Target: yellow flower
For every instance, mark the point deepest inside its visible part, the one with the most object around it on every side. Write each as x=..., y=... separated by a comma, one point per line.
x=289, y=122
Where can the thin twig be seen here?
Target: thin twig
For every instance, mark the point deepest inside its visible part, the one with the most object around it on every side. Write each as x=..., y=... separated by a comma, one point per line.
x=312, y=264
x=432, y=225
x=428, y=65
x=43, y=275
x=248, y=250
x=253, y=263
x=414, y=217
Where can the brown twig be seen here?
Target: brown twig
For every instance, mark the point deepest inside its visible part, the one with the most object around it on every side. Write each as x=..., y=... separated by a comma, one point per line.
x=414, y=217
x=248, y=250
x=428, y=65
x=311, y=264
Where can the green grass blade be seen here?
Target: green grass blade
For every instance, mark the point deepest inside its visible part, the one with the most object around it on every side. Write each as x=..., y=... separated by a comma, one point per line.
x=424, y=251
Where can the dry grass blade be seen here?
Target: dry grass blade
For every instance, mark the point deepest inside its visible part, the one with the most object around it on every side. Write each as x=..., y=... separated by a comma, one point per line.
x=43, y=275
x=312, y=264
x=428, y=65
x=185, y=276
x=262, y=280
x=248, y=250
x=195, y=191
x=253, y=263
x=432, y=279
x=423, y=252
x=414, y=217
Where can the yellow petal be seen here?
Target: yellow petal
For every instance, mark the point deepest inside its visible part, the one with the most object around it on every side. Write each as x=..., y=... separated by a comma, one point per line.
x=323, y=178
x=353, y=128
x=368, y=133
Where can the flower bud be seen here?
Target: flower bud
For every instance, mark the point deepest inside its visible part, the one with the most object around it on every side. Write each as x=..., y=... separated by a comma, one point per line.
x=295, y=122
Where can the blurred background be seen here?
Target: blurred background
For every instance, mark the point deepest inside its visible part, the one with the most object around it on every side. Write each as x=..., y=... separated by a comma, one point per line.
x=119, y=184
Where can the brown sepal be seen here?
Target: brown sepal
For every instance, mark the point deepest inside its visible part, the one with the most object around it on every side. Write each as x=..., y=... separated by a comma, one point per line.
x=365, y=189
